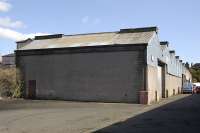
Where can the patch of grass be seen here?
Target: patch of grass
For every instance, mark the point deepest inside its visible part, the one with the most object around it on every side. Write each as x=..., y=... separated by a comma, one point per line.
x=10, y=85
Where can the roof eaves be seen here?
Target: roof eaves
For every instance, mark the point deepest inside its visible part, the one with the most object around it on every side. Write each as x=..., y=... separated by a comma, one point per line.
x=111, y=45
x=177, y=57
x=163, y=43
x=172, y=51
x=137, y=30
x=53, y=36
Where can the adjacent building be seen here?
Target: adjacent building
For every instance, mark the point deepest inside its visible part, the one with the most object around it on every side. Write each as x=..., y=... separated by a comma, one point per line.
x=8, y=60
x=0, y=60
x=129, y=66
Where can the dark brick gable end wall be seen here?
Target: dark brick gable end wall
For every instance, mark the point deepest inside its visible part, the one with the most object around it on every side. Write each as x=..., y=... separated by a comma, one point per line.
x=101, y=73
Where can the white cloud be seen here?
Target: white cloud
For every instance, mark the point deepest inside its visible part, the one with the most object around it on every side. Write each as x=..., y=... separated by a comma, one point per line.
x=85, y=19
x=10, y=34
x=7, y=22
x=4, y=6
x=16, y=36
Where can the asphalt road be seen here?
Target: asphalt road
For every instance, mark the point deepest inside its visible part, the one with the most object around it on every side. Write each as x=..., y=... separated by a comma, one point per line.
x=180, y=116
x=27, y=116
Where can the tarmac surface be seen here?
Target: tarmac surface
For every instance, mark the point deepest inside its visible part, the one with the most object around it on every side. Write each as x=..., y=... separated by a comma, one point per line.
x=176, y=114
x=179, y=116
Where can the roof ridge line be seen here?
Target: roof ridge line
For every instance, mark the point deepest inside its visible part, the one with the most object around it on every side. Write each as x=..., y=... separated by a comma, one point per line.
x=91, y=33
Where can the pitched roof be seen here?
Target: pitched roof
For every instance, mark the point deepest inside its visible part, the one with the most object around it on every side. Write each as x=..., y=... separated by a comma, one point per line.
x=124, y=36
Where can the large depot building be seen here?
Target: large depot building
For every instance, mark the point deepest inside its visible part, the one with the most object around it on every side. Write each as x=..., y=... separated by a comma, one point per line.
x=129, y=66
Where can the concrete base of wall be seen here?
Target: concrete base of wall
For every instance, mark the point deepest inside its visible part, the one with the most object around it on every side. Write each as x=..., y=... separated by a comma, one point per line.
x=144, y=98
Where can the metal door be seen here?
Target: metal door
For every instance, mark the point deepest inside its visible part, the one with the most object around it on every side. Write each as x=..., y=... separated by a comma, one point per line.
x=32, y=89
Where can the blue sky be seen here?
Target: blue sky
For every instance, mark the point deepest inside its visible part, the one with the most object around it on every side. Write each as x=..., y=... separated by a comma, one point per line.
x=178, y=20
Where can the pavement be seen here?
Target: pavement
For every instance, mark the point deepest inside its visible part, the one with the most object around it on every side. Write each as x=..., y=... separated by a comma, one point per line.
x=179, y=116
x=177, y=113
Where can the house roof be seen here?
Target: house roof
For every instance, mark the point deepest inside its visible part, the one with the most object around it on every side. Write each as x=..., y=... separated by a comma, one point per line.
x=9, y=55
x=124, y=36
x=164, y=43
x=177, y=57
x=172, y=51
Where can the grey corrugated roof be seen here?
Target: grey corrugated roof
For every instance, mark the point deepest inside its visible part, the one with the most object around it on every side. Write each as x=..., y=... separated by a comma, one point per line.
x=94, y=39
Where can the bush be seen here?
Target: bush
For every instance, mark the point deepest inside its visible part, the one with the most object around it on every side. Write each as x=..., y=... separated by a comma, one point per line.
x=9, y=85
x=195, y=74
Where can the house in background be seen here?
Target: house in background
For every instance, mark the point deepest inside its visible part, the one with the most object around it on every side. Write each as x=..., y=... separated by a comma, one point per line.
x=129, y=66
x=0, y=60
x=8, y=60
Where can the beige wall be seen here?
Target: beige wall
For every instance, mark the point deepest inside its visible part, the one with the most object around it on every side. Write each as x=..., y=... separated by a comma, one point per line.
x=173, y=84
x=153, y=84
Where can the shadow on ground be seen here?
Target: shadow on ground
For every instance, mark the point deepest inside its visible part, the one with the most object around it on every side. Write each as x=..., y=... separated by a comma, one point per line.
x=181, y=116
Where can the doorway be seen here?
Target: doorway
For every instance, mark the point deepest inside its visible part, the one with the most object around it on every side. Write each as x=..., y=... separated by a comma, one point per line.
x=161, y=77
x=32, y=89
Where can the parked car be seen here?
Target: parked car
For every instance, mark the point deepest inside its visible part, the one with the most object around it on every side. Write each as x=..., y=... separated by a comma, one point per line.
x=187, y=88
x=196, y=87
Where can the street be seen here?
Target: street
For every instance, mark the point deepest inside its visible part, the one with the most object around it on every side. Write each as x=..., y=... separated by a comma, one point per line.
x=176, y=114
x=181, y=116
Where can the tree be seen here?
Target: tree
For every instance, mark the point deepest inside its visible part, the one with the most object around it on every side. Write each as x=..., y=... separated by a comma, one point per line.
x=187, y=65
x=195, y=71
